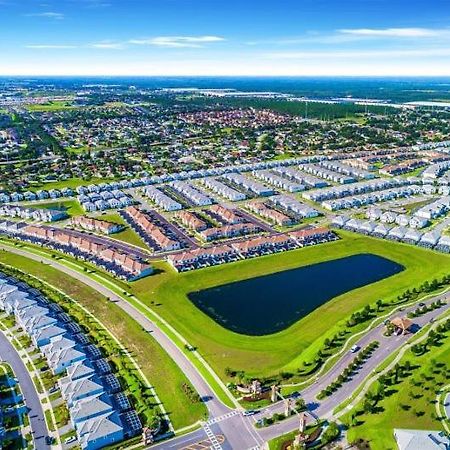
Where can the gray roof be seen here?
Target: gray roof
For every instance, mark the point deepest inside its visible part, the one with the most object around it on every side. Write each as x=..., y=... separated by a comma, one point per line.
x=49, y=332
x=80, y=388
x=65, y=355
x=421, y=439
x=79, y=370
x=99, y=427
x=91, y=406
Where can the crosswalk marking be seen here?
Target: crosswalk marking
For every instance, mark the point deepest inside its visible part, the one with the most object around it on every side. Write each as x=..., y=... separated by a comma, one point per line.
x=212, y=437
x=221, y=418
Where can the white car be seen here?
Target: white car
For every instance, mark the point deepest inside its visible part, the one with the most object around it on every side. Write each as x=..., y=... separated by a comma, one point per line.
x=354, y=349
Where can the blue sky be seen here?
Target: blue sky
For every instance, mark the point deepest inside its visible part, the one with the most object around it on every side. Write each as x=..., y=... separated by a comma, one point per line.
x=246, y=37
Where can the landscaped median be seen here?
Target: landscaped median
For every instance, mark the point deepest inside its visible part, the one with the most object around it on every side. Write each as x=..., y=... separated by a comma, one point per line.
x=402, y=394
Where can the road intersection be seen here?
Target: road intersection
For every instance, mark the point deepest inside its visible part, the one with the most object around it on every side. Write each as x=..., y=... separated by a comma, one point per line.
x=226, y=428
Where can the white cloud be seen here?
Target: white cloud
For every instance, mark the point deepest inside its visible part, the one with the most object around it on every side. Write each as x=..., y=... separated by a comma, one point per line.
x=425, y=52
x=48, y=14
x=107, y=45
x=49, y=46
x=396, y=32
x=177, y=41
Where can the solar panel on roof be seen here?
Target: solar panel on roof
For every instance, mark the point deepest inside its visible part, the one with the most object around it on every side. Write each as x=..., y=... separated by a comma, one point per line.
x=112, y=382
x=132, y=420
x=93, y=351
x=122, y=401
x=102, y=366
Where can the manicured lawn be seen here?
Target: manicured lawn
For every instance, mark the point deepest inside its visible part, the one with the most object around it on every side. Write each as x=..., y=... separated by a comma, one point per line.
x=127, y=235
x=408, y=406
x=50, y=106
x=159, y=368
x=265, y=355
x=71, y=183
x=72, y=207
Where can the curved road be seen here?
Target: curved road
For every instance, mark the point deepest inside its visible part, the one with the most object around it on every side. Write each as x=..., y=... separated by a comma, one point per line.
x=214, y=405
x=35, y=413
x=239, y=431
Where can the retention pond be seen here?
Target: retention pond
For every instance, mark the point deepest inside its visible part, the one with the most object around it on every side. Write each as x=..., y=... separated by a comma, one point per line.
x=271, y=303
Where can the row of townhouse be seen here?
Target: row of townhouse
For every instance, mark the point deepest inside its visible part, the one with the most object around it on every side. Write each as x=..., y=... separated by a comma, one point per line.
x=361, y=187
x=229, y=231
x=91, y=224
x=194, y=194
x=161, y=199
x=362, y=163
x=222, y=189
x=330, y=175
x=99, y=411
x=41, y=215
x=393, y=217
x=347, y=170
x=155, y=179
x=191, y=221
x=220, y=171
x=293, y=207
x=29, y=196
x=124, y=263
x=103, y=195
x=112, y=186
x=155, y=234
x=252, y=186
x=372, y=197
x=435, y=171
x=278, y=181
x=271, y=214
x=96, y=202
x=249, y=248
x=184, y=175
x=408, y=235
x=434, y=210
x=403, y=167
x=225, y=215
x=303, y=178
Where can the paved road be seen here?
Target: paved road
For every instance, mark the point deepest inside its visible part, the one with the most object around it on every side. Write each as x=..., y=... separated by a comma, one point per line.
x=214, y=405
x=35, y=413
x=447, y=406
x=238, y=431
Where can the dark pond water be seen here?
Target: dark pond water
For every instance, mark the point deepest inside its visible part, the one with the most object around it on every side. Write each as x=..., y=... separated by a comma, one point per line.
x=271, y=303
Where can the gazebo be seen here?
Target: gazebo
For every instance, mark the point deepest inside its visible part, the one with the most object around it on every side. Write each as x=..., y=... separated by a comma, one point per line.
x=402, y=323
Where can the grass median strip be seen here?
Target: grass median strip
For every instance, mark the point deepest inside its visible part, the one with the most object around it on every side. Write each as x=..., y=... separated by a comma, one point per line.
x=154, y=362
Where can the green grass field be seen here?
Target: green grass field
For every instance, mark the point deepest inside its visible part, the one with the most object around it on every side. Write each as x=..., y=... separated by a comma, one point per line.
x=50, y=106
x=72, y=207
x=154, y=362
x=266, y=355
x=128, y=235
x=71, y=183
x=408, y=406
